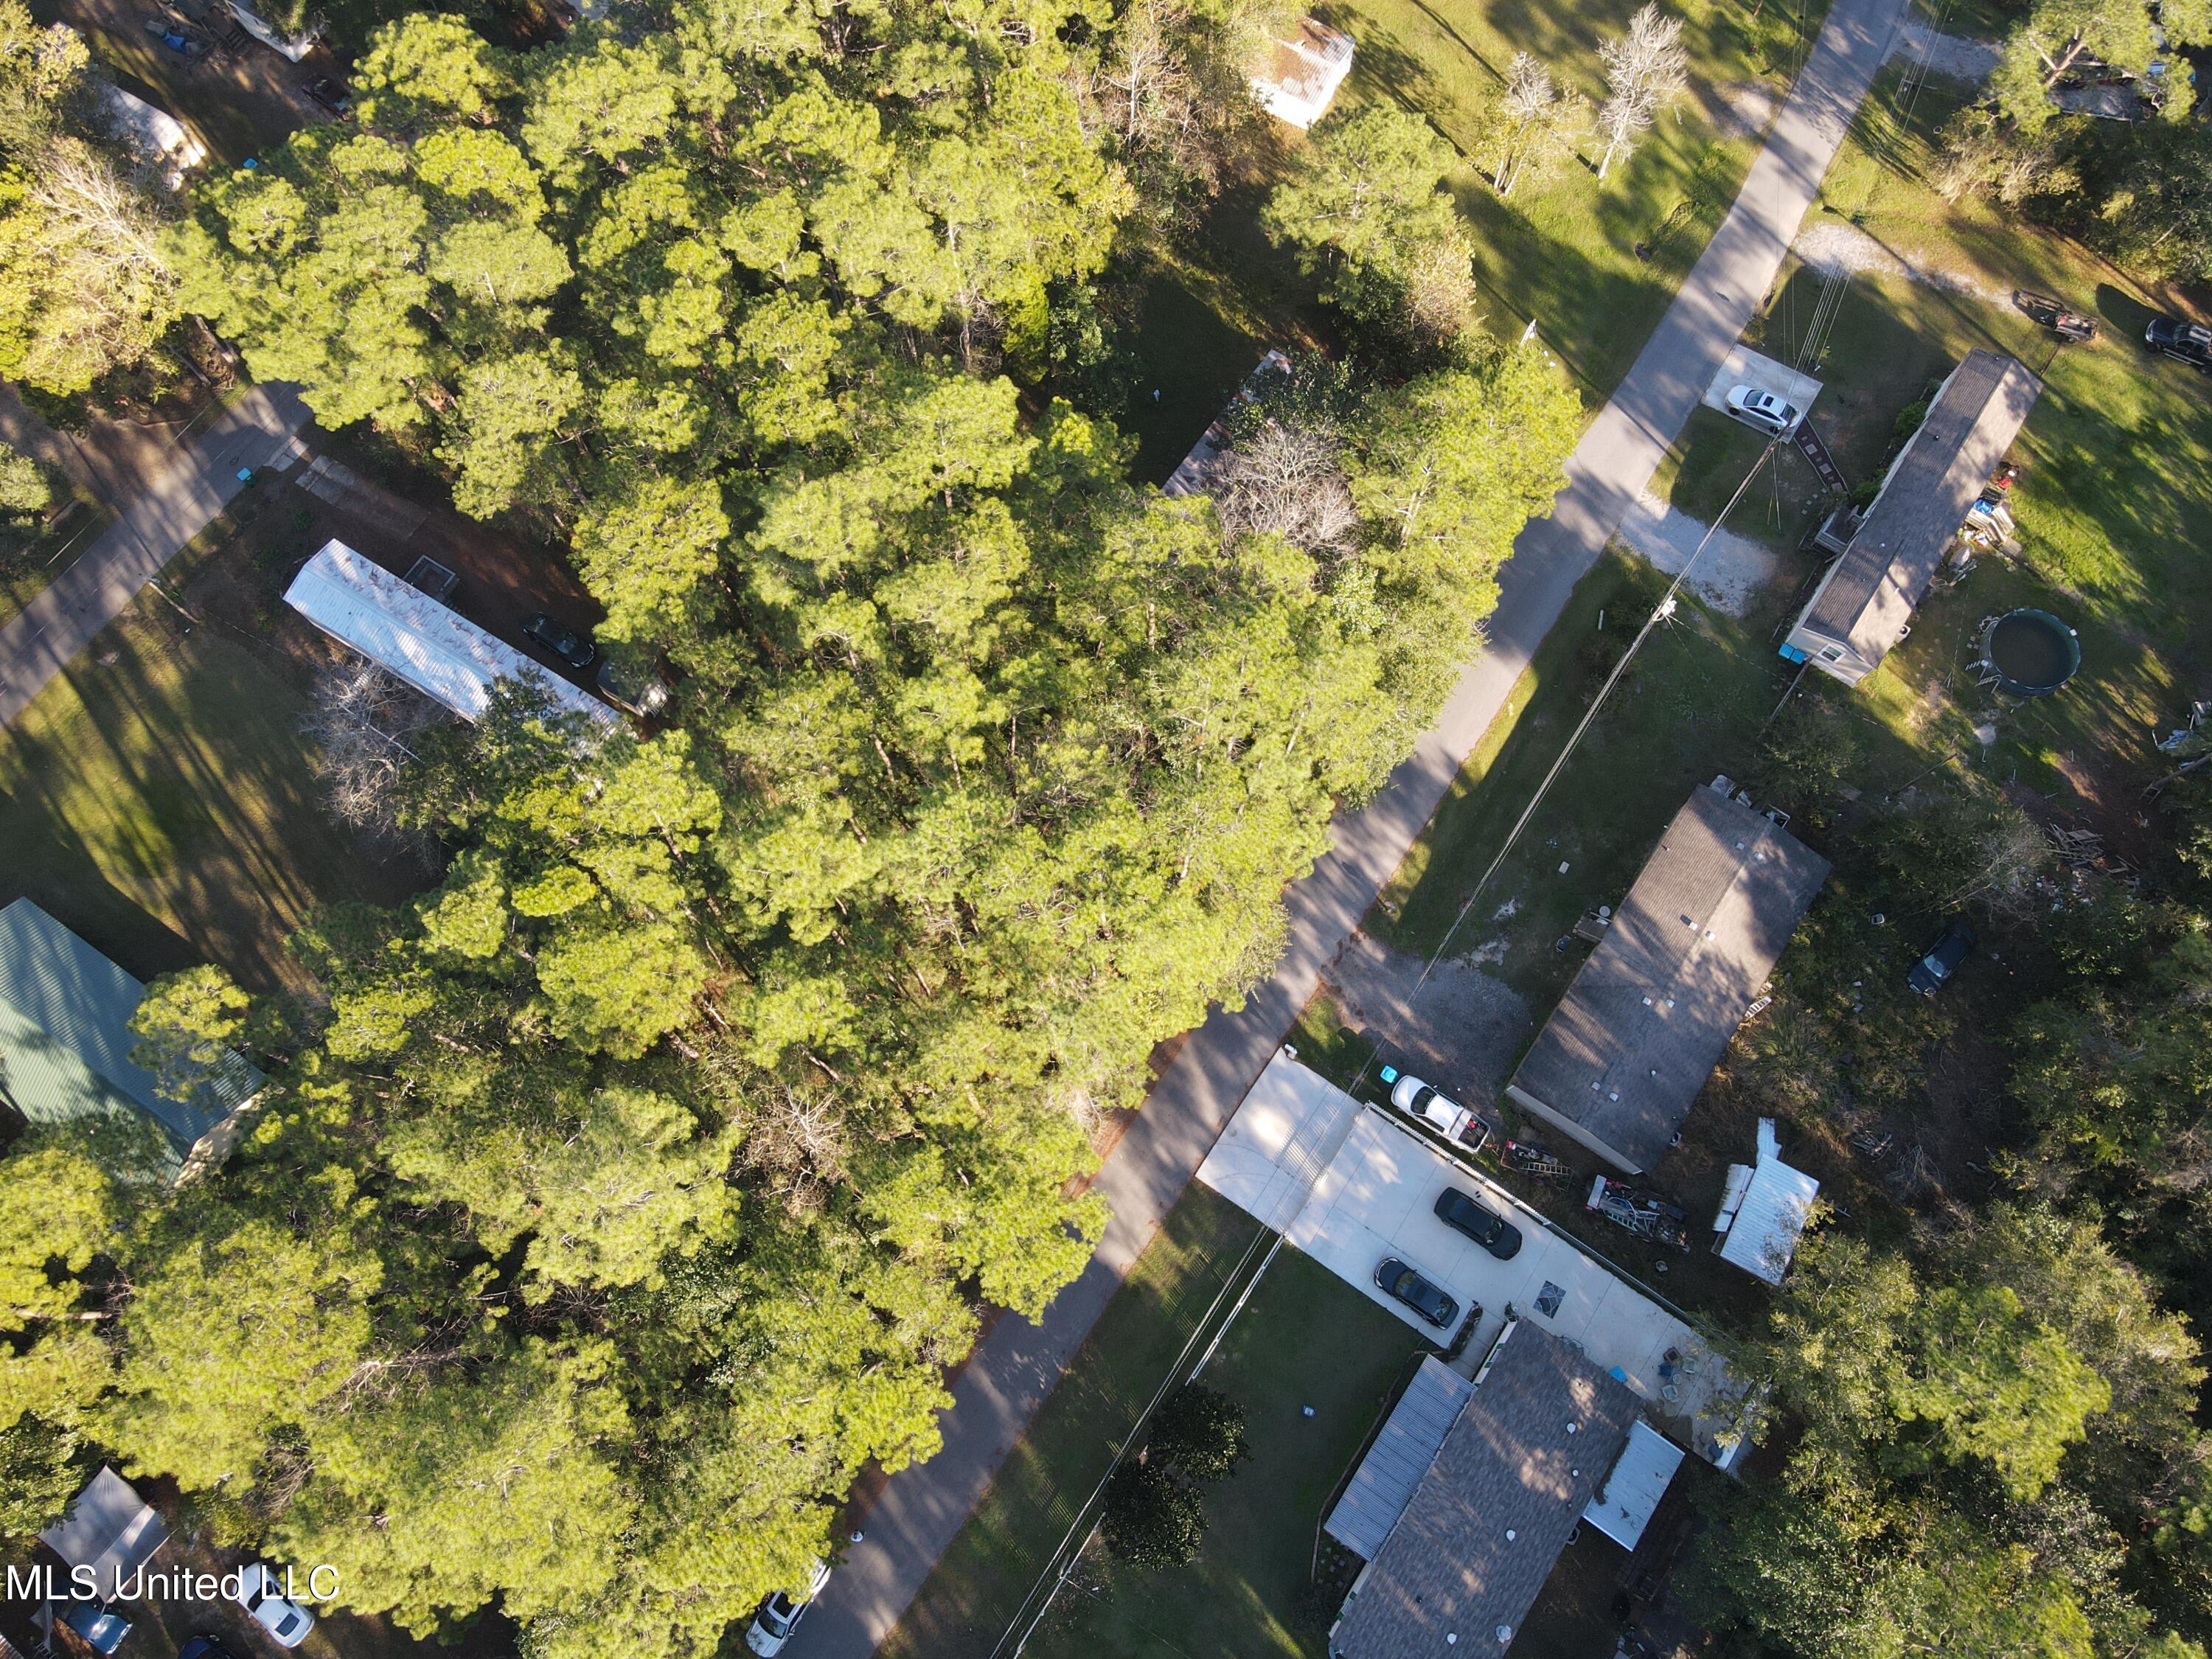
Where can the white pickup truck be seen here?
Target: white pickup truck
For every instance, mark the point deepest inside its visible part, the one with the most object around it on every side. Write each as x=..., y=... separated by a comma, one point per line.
x=1425, y=1106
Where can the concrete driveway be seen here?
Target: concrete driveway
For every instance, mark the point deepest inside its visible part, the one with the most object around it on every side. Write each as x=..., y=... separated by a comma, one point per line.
x=1376, y=1200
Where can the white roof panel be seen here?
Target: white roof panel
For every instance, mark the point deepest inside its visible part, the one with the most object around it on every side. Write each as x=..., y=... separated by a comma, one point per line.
x=1624, y=1506
x=440, y=652
x=1772, y=1215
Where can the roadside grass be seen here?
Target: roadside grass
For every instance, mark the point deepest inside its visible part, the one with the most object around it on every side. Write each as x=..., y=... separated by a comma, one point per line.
x=1689, y=705
x=32, y=555
x=978, y=1585
x=1306, y=1339
x=158, y=798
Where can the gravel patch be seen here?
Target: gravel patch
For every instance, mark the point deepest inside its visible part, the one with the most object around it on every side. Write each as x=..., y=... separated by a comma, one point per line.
x=1460, y=1031
x=1971, y=61
x=1836, y=244
x=1745, y=107
x=1729, y=573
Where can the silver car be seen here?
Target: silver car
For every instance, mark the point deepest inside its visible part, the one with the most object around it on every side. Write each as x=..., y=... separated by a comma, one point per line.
x=780, y=1614
x=1764, y=410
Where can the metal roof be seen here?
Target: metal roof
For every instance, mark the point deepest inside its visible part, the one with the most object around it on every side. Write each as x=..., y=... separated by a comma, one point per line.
x=1486, y=1524
x=1624, y=1506
x=1387, y=1477
x=1867, y=600
x=66, y=1036
x=109, y=1528
x=440, y=653
x=1764, y=1236
x=1650, y=1015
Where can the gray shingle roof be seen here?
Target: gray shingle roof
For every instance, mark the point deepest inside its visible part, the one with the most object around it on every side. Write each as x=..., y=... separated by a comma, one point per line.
x=1650, y=1015
x=1882, y=576
x=1394, y=1464
x=1509, y=1465
x=65, y=1038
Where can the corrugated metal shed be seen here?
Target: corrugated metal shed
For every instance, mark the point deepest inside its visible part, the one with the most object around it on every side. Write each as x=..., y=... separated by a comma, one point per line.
x=1401, y=1455
x=1768, y=1223
x=440, y=653
x=1624, y=1506
x=109, y=1528
x=65, y=1037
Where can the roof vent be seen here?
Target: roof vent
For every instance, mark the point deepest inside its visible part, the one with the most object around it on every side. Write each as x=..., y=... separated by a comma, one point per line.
x=1510, y=1534
x=1612, y=1094
x=1504, y=1634
x=1574, y=1428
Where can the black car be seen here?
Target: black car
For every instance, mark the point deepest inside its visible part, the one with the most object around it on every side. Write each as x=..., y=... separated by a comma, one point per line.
x=573, y=649
x=1393, y=1277
x=2188, y=343
x=203, y=1647
x=332, y=94
x=1933, y=971
x=1494, y=1232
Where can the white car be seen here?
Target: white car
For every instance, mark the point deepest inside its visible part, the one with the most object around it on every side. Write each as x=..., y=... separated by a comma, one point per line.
x=780, y=1614
x=261, y=1593
x=1421, y=1100
x=1764, y=410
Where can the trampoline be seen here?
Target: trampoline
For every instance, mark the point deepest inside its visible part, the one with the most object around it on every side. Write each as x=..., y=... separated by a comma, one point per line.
x=2030, y=653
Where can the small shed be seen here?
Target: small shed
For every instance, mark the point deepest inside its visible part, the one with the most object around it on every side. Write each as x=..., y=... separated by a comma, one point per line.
x=1863, y=605
x=1302, y=71
x=1764, y=1209
x=65, y=1045
x=109, y=1530
x=1624, y=1506
x=1195, y=476
x=437, y=651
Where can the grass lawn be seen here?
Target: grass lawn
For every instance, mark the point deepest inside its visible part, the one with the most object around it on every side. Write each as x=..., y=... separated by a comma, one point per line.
x=1689, y=707
x=1306, y=1339
x=157, y=797
x=980, y=1583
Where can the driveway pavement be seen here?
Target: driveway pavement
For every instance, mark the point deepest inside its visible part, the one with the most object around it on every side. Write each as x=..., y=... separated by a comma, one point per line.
x=922, y=1507
x=172, y=507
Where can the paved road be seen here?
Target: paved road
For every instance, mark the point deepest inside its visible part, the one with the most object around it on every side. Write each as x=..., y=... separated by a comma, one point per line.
x=921, y=1508
x=169, y=510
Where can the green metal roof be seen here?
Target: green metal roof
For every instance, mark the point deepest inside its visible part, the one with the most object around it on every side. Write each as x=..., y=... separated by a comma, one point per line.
x=65, y=1037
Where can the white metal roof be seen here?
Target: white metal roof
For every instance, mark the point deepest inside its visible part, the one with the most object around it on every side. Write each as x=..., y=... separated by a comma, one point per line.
x=440, y=653
x=1776, y=1204
x=1399, y=1460
x=1624, y=1506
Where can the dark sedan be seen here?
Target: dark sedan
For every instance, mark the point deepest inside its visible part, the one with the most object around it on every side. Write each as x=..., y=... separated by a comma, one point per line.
x=1393, y=1277
x=1933, y=971
x=1494, y=1232
x=571, y=648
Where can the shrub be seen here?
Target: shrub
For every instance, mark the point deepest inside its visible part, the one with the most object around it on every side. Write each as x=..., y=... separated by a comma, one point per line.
x=1201, y=1430
x=1152, y=1519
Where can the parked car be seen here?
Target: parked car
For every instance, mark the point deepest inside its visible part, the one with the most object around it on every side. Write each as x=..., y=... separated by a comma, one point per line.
x=332, y=94
x=98, y=1623
x=1394, y=1278
x=261, y=1593
x=571, y=648
x=2185, y=342
x=780, y=1614
x=1485, y=1226
x=203, y=1647
x=1933, y=971
x=1425, y=1104
x=1764, y=410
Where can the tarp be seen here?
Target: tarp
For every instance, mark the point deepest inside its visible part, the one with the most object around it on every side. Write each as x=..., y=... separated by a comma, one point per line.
x=109, y=1528
x=440, y=652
